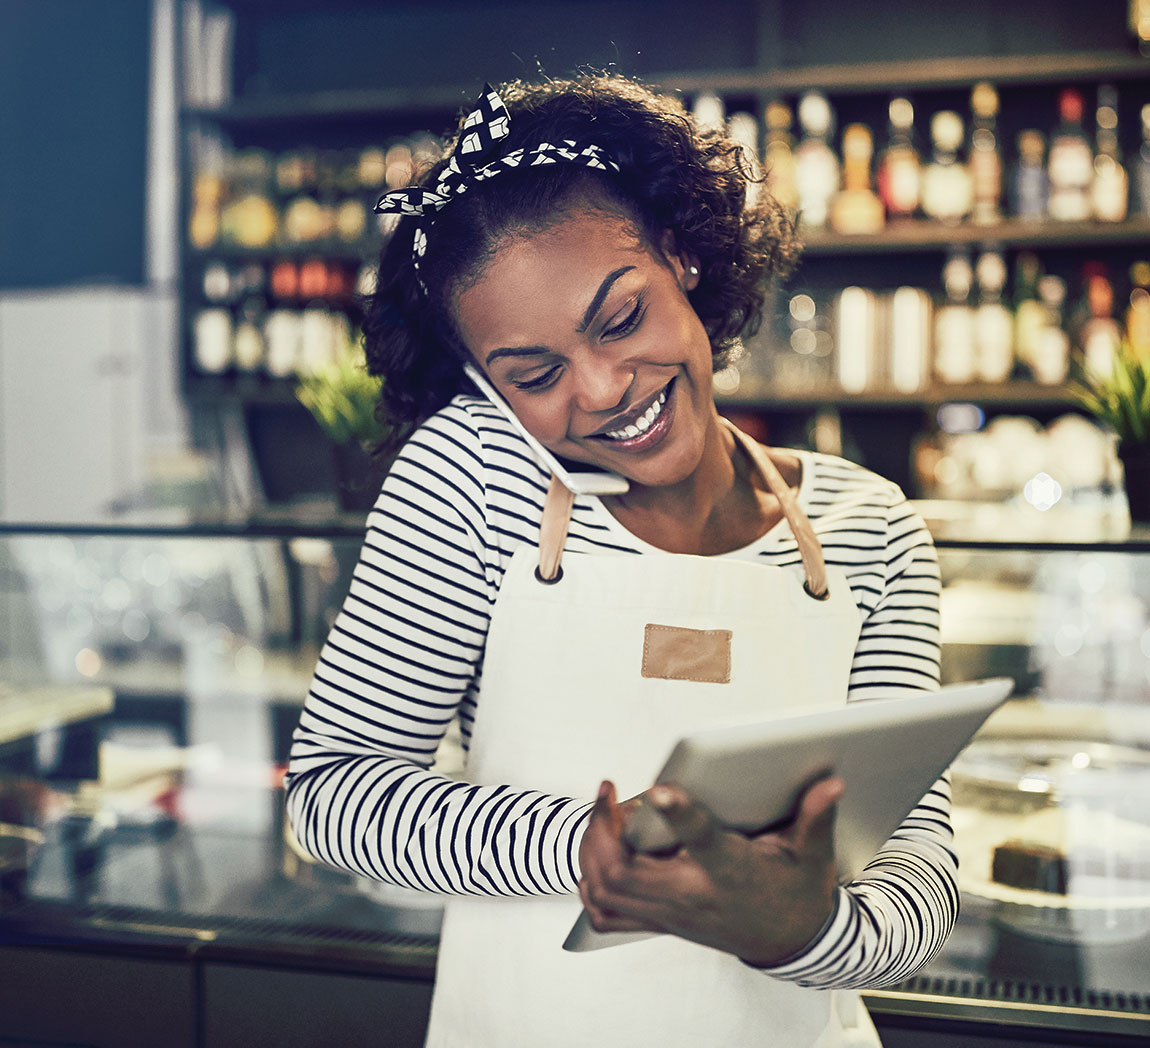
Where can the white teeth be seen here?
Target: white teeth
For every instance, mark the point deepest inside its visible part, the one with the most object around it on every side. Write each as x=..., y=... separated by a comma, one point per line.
x=641, y=424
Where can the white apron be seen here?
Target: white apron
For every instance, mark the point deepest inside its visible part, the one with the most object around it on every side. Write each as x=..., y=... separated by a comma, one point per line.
x=564, y=704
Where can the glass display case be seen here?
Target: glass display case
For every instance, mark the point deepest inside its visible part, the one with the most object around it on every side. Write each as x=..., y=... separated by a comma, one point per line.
x=151, y=674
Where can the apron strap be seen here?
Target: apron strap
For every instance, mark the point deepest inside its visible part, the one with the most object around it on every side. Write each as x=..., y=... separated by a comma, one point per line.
x=557, y=517
x=553, y=530
x=810, y=549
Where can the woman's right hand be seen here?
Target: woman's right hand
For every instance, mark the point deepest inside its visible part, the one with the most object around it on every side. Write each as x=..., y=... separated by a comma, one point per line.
x=605, y=847
x=761, y=898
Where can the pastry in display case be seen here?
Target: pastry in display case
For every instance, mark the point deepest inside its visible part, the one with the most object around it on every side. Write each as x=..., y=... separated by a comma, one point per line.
x=1054, y=833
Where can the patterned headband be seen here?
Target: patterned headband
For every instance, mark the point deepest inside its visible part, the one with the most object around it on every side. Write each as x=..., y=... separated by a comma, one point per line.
x=475, y=160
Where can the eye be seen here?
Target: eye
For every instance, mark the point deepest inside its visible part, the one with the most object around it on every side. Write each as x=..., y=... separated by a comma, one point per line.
x=628, y=323
x=538, y=382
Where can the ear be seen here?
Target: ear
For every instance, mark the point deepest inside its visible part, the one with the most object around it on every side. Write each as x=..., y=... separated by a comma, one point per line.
x=684, y=265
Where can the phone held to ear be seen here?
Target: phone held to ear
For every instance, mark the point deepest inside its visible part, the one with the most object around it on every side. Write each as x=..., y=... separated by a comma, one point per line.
x=582, y=480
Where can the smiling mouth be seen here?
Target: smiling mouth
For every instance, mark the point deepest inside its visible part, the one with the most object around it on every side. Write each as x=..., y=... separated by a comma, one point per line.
x=647, y=425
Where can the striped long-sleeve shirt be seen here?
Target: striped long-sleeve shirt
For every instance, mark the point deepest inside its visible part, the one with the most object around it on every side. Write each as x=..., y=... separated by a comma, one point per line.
x=404, y=658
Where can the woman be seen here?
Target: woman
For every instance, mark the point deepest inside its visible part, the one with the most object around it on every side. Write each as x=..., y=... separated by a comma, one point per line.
x=596, y=258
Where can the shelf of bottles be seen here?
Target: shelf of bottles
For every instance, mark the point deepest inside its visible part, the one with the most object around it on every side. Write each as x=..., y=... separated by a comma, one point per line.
x=980, y=239
x=282, y=247
x=992, y=259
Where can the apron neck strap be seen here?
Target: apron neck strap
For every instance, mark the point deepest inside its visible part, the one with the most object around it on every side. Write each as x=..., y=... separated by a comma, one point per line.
x=810, y=549
x=553, y=530
x=557, y=517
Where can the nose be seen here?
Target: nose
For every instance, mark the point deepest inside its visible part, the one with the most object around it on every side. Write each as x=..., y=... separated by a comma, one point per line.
x=601, y=384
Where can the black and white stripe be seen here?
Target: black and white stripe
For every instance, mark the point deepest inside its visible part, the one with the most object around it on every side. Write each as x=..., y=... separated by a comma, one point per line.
x=404, y=658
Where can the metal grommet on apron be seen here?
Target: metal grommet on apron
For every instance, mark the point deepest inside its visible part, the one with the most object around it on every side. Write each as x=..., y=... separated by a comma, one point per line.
x=598, y=678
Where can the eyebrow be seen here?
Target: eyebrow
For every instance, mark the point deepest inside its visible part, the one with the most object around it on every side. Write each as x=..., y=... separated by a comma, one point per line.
x=588, y=316
x=601, y=294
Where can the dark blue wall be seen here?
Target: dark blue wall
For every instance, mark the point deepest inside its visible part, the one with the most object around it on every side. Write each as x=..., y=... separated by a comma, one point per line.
x=73, y=133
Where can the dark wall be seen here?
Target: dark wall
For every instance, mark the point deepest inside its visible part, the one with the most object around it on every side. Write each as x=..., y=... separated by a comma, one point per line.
x=73, y=133
x=293, y=45
x=74, y=74
x=286, y=47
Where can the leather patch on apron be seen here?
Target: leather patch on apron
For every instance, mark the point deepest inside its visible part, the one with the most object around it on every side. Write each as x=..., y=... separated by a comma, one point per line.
x=678, y=653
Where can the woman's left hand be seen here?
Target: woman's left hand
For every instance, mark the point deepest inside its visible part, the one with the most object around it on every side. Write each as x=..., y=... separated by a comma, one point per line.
x=762, y=898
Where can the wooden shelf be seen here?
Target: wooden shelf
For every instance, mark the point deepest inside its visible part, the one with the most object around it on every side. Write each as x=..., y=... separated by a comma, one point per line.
x=924, y=235
x=918, y=73
x=433, y=102
x=251, y=388
x=329, y=250
x=1021, y=394
x=440, y=102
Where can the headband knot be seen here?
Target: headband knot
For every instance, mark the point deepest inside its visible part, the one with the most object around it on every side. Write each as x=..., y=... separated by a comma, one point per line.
x=476, y=159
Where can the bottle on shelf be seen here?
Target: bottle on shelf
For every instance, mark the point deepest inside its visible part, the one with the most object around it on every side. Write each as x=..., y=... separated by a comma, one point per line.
x=1138, y=310
x=954, y=327
x=947, y=188
x=248, y=341
x=217, y=284
x=249, y=218
x=816, y=164
x=1070, y=162
x=909, y=311
x=283, y=342
x=779, y=156
x=1100, y=335
x=855, y=339
x=351, y=215
x=1050, y=361
x=1142, y=166
x=743, y=130
x=1109, y=192
x=371, y=170
x=856, y=208
x=985, y=157
x=399, y=161
x=1030, y=315
x=310, y=215
x=993, y=322
x=1030, y=187
x=284, y=280
x=708, y=112
x=1139, y=22
x=249, y=289
x=900, y=167
x=207, y=202
x=288, y=180
x=212, y=340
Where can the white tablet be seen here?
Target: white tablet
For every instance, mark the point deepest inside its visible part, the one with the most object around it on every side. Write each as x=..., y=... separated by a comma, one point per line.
x=888, y=751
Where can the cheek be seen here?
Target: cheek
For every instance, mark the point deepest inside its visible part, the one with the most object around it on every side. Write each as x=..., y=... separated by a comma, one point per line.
x=544, y=418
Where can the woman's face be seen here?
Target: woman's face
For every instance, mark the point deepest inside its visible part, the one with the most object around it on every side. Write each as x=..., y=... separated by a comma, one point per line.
x=588, y=333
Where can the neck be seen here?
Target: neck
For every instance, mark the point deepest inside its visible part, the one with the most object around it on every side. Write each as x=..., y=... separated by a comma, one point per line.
x=720, y=506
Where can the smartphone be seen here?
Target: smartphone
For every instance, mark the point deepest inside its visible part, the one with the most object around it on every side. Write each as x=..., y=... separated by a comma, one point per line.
x=580, y=478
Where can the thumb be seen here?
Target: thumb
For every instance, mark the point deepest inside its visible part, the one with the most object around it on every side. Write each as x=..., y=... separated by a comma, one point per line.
x=695, y=827
x=814, y=824
x=607, y=805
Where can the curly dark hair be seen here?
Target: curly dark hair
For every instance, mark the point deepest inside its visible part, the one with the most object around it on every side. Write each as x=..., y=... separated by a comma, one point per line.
x=672, y=177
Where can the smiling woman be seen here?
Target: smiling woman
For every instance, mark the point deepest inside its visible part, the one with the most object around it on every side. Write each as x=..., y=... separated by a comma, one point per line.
x=592, y=255
x=587, y=330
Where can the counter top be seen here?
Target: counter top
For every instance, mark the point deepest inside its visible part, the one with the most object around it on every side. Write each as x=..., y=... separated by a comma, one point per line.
x=953, y=524
x=199, y=890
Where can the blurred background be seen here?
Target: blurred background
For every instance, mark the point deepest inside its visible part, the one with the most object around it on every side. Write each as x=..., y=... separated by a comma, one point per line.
x=185, y=192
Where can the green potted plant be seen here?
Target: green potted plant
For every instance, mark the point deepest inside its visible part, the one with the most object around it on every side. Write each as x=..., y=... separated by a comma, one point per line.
x=1120, y=400
x=342, y=397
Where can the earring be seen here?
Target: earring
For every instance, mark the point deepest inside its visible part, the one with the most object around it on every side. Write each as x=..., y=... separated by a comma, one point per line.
x=693, y=270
